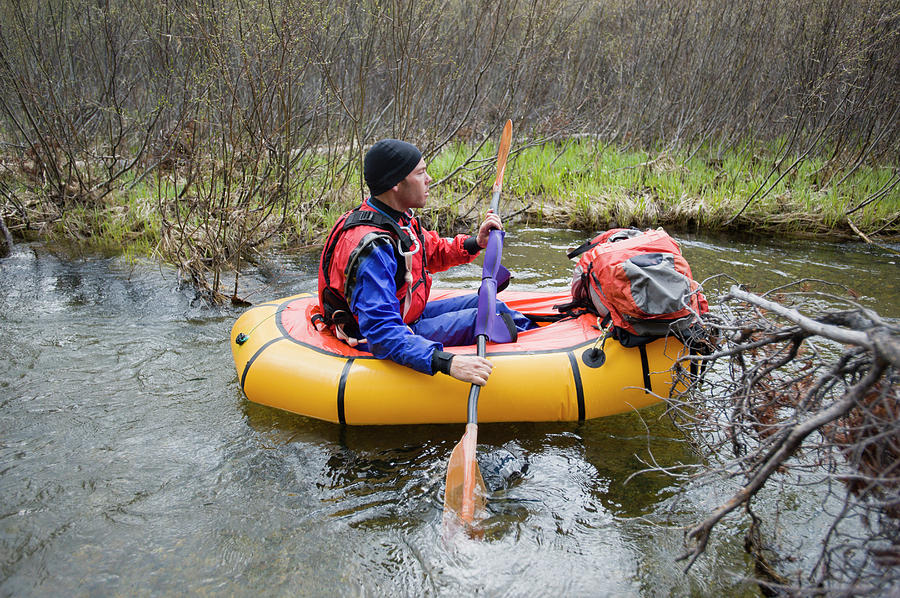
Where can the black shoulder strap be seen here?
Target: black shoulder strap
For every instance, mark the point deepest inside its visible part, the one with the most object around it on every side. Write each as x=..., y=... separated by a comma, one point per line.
x=586, y=246
x=364, y=217
x=360, y=217
x=377, y=219
x=365, y=247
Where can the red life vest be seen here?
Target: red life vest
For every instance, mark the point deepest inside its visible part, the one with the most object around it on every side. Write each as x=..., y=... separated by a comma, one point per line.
x=353, y=237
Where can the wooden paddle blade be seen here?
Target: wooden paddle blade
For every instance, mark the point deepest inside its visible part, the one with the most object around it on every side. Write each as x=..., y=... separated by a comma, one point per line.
x=465, y=493
x=502, y=155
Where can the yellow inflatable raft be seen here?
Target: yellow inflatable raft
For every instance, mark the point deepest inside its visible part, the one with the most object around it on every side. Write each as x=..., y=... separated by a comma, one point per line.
x=548, y=374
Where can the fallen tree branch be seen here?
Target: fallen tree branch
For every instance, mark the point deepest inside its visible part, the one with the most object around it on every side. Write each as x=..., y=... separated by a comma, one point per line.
x=775, y=403
x=878, y=339
x=794, y=437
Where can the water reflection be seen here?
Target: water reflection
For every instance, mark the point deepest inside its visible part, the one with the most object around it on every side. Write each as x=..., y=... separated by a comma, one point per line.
x=386, y=483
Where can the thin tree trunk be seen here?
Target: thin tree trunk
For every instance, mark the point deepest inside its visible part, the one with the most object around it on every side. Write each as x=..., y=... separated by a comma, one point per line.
x=6, y=240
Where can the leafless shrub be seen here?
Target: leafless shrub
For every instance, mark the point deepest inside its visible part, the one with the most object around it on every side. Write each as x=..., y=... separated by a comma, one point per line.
x=251, y=98
x=70, y=78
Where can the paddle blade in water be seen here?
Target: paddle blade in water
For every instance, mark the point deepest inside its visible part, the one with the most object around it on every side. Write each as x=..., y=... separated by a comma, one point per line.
x=465, y=491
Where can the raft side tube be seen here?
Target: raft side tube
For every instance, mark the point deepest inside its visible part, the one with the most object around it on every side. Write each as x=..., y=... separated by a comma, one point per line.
x=531, y=381
x=536, y=389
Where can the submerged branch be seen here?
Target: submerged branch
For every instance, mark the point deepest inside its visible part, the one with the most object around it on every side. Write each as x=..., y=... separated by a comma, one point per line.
x=6, y=240
x=866, y=238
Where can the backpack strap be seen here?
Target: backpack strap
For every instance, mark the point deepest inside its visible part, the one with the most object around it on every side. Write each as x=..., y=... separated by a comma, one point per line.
x=583, y=248
x=610, y=236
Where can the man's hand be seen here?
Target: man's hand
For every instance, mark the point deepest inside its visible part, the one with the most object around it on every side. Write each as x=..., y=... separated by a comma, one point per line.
x=471, y=368
x=491, y=221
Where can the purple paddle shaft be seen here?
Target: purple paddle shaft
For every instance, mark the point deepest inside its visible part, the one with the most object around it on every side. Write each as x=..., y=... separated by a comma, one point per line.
x=488, y=322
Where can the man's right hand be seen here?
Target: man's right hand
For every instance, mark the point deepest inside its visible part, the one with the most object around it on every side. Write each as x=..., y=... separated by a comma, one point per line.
x=471, y=368
x=491, y=221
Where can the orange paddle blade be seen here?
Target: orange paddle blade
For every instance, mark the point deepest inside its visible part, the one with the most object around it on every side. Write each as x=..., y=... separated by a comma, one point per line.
x=502, y=155
x=465, y=493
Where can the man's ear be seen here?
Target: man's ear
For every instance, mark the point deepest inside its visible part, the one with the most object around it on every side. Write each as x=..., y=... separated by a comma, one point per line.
x=386, y=193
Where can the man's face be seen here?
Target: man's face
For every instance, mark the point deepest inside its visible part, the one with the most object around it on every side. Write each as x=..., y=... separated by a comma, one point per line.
x=412, y=192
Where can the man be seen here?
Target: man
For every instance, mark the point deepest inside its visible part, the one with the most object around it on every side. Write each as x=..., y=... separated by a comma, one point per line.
x=375, y=273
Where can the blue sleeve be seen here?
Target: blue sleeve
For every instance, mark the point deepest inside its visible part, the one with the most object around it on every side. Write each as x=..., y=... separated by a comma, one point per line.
x=375, y=305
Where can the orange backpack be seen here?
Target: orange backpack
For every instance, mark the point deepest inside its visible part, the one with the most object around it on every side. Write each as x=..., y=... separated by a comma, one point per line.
x=639, y=282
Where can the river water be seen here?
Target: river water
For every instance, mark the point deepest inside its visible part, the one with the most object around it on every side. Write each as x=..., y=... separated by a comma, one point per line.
x=131, y=464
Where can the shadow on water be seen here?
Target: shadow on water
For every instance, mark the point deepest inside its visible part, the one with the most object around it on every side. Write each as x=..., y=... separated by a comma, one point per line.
x=392, y=476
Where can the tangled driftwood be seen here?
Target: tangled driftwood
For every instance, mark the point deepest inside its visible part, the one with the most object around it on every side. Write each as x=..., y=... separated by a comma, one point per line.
x=786, y=393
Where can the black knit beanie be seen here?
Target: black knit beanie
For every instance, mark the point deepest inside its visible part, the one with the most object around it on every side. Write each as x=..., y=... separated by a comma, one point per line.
x=387, y=163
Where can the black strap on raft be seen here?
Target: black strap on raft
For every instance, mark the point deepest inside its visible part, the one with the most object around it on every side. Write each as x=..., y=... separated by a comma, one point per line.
x=645, y=367
x=579, y=385
x=342, y=389
x=336, y=311
x=541, y=318
x=573, y=309
x=317, y=319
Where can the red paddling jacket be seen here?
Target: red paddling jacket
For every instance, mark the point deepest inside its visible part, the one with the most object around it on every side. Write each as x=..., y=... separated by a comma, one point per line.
x=418, y=252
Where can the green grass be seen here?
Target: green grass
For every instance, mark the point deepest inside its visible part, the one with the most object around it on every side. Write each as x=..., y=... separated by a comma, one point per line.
x=592, y=184
x=128, y=226
x=580, y=183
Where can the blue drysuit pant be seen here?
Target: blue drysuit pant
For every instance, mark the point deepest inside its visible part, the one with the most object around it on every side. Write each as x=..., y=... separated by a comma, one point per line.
x=451, y=321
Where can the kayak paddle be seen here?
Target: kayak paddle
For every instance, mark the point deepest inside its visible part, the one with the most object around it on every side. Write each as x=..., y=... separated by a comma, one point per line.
x=465, y=492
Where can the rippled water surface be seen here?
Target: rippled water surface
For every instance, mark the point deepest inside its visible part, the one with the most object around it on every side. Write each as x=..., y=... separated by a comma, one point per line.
x=131, y=464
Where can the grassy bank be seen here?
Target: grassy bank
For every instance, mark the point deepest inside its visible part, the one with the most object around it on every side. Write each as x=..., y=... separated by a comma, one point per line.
x=584, y=184
x=206, y=224
x=581, y=184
